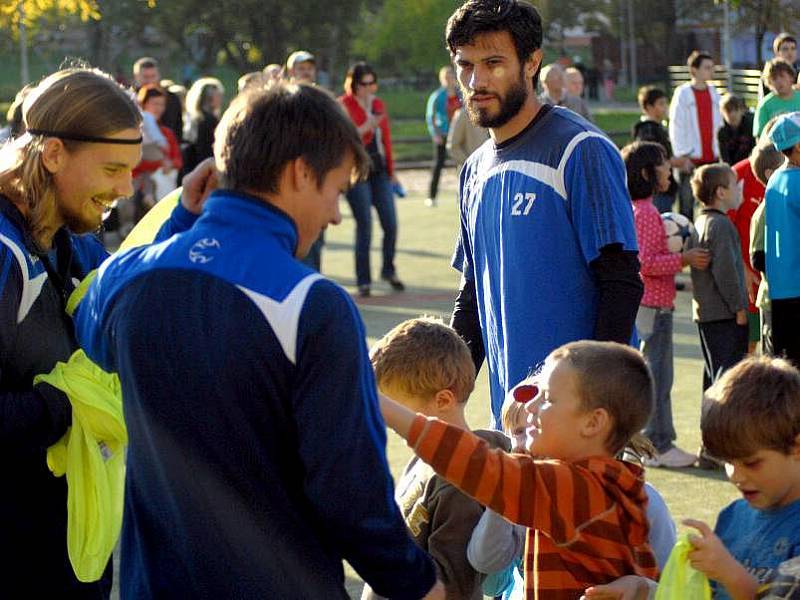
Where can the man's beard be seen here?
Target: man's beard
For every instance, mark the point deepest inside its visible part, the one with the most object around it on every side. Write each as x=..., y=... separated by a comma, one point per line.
x=510, y=105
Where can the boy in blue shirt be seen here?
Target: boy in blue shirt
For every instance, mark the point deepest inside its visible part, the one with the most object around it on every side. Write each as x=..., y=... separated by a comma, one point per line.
x=752, y=422
x=782, y=244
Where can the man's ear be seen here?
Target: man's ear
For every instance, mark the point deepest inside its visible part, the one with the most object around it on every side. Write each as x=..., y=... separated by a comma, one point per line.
x=597, y=422
x=301, y=175
x=54, y=155
x=794, y=451
x=534, y=63
x=645, y=175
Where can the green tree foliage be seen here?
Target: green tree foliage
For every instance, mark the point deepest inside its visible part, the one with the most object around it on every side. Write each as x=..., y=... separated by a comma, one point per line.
x=405, y=38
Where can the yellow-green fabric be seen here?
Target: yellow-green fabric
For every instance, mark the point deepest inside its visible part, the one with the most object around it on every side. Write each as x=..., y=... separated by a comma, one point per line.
x=92, y=452
x=679, y=580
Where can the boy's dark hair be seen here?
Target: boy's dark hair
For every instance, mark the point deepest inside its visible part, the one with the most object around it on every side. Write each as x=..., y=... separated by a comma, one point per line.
x=697, y=57
x=146, y=62
x=422, y=357
x=780, y=39
x=732, y=103
x=707, y=179
x=614, y=377
x=775, y=67
x=518, y=17
x=763, y=158
x=753, y=406
x=649, y=95
x=263, y=130
x=638, y=157
x=355, y=74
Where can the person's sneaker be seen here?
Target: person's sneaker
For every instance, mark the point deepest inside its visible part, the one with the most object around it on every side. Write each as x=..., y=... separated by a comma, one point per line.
x=396, y=284
x=430, y=202
x=674, y=458
x=364, y=291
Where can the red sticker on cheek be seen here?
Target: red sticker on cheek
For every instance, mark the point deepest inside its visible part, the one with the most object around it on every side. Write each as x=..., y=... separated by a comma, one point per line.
x=525, y=393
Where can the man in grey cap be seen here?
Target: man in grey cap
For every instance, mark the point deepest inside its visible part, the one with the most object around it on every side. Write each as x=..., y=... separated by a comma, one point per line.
x=301, y=67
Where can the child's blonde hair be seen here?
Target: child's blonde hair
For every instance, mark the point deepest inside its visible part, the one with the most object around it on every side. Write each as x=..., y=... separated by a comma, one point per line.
x=510, y=412
x=614, y=377
x=763, y=158
x=422, y=357
x=753, y=406
x=708, y=178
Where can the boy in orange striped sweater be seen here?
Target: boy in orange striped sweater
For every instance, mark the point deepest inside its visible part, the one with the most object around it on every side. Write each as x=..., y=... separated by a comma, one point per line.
x=584, y=508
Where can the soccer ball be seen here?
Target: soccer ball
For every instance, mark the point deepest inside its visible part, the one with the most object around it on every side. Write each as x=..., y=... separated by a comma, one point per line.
x=681, y=234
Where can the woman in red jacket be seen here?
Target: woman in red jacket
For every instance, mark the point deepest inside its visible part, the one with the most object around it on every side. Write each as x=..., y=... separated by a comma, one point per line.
x=369, y=115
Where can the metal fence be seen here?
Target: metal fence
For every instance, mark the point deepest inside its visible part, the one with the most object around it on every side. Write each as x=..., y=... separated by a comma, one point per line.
x=742, y=82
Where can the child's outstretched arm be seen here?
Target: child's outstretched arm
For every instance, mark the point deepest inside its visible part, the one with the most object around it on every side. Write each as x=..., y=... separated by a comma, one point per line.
x=712, y=558
x=525, y=491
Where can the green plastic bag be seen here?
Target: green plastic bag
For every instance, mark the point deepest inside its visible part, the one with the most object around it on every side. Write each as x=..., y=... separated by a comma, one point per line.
x=679, y=580
x=92, y=452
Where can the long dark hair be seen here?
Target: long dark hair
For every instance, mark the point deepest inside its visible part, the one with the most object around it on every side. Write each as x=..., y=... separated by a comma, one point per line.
x=641, y=160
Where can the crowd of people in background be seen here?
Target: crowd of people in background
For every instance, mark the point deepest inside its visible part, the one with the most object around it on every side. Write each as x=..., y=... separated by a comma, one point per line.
x=550, y=503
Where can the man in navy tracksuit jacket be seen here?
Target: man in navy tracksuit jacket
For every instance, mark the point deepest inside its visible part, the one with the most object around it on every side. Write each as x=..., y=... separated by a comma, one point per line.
x=257, y=450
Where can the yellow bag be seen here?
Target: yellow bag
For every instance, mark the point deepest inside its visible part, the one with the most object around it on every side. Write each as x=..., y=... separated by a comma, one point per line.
x=679, y=580
x=92, y=452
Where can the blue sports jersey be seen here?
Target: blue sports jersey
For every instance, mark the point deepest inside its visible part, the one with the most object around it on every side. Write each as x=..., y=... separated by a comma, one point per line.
x=535, y=211
x=759, y=539
x=782, y=246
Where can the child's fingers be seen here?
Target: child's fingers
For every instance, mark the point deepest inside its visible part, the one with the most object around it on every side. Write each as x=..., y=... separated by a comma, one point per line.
x=696, y=542
x=601, y=592
x=704, y=529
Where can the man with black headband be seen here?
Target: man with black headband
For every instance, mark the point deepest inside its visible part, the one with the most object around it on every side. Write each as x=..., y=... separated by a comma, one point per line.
x=56, y=182
x=547, y=248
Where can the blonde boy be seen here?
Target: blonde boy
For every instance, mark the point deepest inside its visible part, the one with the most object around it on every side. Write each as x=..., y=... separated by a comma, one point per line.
x=586, y=510
x=424, y=365
x=752, y=422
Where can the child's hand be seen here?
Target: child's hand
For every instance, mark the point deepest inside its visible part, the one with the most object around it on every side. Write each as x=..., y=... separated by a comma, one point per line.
x=709, y=555
x=697, y=258
x=712, y=558
x=629, y=587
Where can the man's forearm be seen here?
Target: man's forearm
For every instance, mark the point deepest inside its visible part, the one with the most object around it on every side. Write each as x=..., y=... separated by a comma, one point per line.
x=466, y=322
x=619, y=290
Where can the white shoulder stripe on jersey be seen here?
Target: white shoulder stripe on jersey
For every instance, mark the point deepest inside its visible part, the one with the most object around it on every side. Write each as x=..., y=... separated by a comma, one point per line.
x=577, y=140
x=544, y=173
x=283, y=317
x=535, y=170
x=31, y=288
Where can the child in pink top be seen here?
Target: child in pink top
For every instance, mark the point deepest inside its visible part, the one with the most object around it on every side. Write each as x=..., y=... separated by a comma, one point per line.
x=648, y=171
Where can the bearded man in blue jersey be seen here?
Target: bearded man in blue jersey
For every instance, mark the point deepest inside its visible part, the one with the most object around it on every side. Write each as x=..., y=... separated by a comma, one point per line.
x=547, y=246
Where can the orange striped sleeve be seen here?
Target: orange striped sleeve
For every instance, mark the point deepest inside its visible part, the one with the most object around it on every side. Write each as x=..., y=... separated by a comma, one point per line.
x=535, y=493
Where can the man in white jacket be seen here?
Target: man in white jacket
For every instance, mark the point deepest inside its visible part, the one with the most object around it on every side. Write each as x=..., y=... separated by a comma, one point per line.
x=694, y=119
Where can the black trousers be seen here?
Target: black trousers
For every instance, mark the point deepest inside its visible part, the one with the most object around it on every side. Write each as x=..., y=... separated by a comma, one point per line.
x=724, y=343
x=786, y=329
x=439, y=156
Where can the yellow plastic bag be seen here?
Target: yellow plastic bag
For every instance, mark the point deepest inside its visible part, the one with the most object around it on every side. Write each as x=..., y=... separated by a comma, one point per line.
x=92, y=452
x=679, y=580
